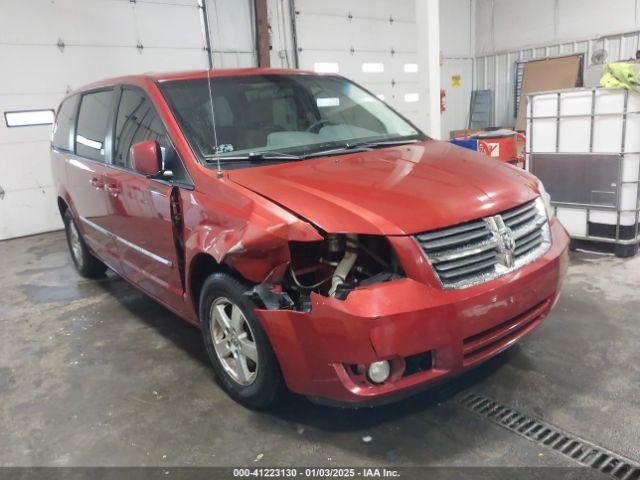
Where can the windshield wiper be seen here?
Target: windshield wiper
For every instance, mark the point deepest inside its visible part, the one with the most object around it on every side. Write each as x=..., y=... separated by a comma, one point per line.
x=254, y=157
x=359, y=147
x=282, y=156
x=337, y=151
x=383, y=143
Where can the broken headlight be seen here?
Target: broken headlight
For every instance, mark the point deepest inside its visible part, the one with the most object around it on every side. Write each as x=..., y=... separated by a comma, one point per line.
x=340, y=263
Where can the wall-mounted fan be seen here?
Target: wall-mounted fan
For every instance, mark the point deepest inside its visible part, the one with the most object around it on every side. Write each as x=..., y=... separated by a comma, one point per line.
x=599, y=57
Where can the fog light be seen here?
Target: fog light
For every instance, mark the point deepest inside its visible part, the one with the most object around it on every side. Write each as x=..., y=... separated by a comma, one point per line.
x=379, y=371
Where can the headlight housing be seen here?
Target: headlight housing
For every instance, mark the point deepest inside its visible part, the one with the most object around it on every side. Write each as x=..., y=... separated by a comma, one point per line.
x=339, y=264
x=546, y=200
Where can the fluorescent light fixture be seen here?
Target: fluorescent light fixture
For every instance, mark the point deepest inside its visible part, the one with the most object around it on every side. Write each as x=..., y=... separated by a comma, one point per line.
x=328, y=102
x=380, y=96
x=326, y=67
x=411, y=97
x=410, y=67
x=372, y=67
x=88, y=142
x=26, y=118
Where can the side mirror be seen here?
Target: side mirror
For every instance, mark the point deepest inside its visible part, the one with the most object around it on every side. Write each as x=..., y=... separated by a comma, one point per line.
x=145, y=157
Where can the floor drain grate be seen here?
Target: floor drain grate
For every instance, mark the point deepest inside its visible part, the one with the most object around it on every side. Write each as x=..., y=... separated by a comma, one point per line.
x=582, y=451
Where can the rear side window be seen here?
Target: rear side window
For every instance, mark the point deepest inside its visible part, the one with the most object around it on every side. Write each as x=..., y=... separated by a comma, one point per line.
x=93, y=121
x=64, y=124
x=137, y=120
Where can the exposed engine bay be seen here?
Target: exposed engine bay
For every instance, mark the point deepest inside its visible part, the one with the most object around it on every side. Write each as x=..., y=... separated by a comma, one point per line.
x=336, y=266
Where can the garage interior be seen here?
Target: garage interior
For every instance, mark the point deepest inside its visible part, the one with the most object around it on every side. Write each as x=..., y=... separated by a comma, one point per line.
x=95, y=373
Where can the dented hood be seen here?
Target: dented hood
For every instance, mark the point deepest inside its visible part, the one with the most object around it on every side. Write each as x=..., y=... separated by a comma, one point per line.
x=392, y=191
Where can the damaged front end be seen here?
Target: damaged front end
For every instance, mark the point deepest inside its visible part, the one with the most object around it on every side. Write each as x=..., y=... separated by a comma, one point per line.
x=337, y=265
x=332, y=267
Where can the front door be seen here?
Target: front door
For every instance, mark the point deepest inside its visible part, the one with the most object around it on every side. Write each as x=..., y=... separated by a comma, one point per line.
x=141, y=207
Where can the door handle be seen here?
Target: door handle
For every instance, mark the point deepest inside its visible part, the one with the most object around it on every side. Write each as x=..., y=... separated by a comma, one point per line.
x=113, y=189
x=96, y=182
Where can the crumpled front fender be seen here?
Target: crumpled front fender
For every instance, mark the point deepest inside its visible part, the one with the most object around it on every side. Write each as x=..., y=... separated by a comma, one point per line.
x=252, y=236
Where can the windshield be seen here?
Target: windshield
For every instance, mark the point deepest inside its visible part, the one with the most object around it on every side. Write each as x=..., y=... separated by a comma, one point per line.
x=281, y=114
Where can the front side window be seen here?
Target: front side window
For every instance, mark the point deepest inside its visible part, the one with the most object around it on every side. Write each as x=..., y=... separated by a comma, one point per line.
x=292, y=114
x=137, y=121
x=93, y=120
x=64, y=123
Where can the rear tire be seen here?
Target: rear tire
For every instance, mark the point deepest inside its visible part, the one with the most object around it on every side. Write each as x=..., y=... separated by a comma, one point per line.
x=237, y=345
x=85, y=262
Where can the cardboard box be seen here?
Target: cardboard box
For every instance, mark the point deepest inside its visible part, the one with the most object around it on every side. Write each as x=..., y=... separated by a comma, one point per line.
x=503, y=144
x=465, y=132
x=507, y=149
x=545, y=75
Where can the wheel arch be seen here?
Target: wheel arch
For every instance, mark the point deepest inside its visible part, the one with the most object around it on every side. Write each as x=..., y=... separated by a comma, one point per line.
x=62, y=206
x=201, y=267
x=66, y=203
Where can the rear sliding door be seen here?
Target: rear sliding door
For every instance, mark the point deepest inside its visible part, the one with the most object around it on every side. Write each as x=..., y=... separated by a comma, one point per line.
x=86, y=169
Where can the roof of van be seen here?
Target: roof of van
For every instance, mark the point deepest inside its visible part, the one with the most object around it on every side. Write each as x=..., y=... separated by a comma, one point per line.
x=161, y=77
x=187, y=75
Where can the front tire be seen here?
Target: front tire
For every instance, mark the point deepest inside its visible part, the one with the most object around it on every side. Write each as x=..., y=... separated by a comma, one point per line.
x=237, y=345
x=85, y=262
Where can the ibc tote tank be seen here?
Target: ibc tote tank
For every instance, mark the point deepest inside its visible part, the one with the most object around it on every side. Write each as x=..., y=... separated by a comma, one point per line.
x=584, y=144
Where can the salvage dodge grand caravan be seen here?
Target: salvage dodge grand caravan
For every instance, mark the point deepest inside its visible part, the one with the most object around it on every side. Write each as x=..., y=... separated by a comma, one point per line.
x=319, y=240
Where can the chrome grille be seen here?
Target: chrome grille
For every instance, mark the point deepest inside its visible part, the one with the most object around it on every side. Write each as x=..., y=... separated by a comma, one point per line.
x=481, y=250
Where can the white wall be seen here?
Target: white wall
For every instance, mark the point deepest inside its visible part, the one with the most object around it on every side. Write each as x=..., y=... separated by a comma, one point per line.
x=456, y=28
x=507, y=25
x=428, y=116
x=457, y=39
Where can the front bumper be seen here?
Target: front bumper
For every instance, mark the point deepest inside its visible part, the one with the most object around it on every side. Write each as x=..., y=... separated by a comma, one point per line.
x=398, y=319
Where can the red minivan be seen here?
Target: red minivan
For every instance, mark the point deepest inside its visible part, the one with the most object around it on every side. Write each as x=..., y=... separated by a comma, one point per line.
x=319, y=240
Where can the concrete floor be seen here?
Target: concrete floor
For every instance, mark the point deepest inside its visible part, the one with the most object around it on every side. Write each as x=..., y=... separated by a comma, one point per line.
x=94, y=373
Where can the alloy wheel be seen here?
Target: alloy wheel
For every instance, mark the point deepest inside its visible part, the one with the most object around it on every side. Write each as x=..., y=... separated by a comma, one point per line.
x=75, y=243
x=233, y=341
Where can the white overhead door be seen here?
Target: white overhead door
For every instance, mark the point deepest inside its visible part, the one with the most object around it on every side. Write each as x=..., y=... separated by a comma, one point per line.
x=49, y=48
x=372, y=42
x=233, y=33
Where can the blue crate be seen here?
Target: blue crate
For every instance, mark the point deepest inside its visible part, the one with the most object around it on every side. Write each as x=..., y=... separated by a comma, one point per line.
x=471, y=143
